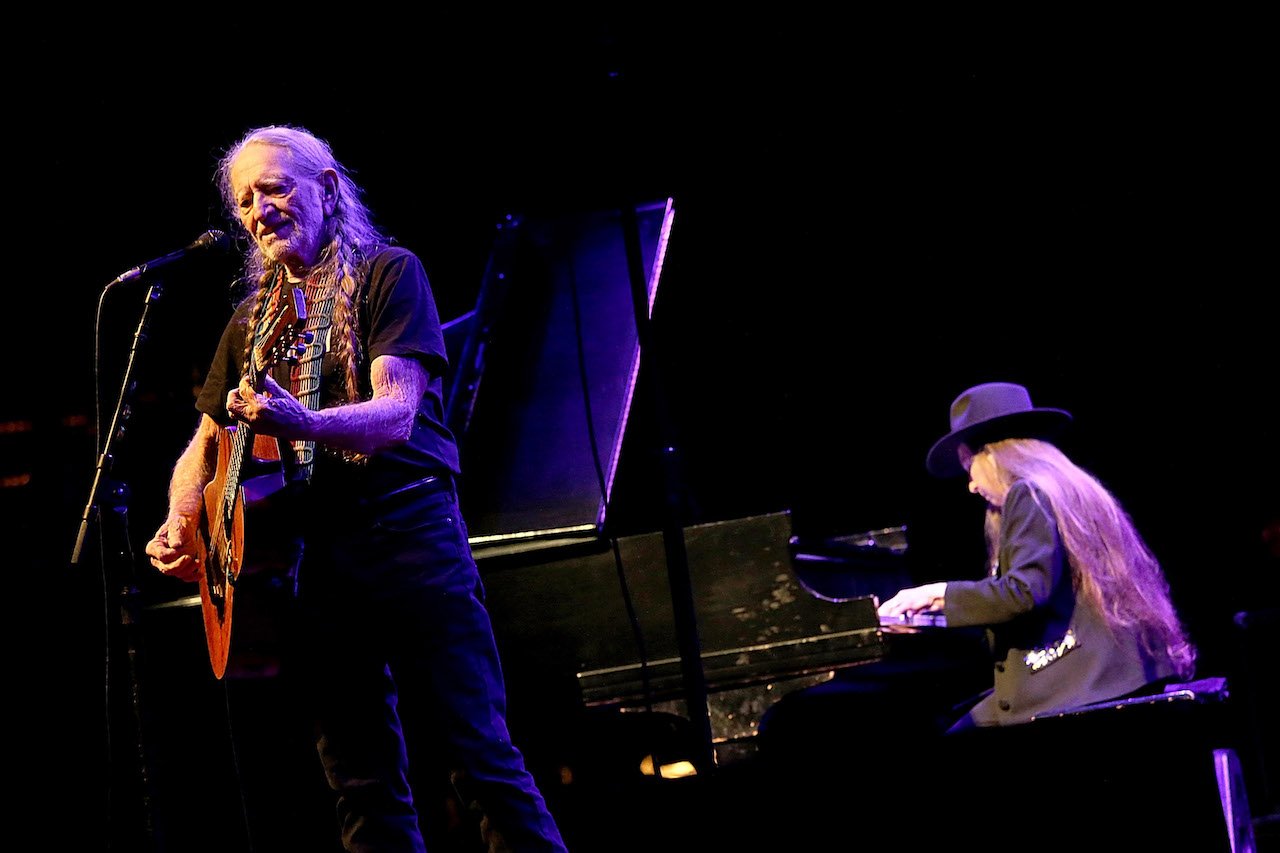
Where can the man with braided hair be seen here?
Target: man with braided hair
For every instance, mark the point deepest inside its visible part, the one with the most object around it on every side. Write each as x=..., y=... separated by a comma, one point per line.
x=387, y=593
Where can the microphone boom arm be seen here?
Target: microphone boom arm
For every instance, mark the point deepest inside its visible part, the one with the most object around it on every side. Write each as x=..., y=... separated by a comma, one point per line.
x=211, y=239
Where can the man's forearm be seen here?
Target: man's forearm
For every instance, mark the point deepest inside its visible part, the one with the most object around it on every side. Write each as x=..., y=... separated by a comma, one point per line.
x=387, y=419
x=193, y=470
x=364, y=427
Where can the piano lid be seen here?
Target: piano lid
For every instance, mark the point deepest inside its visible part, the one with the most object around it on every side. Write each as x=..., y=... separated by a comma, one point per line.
x=544, y=371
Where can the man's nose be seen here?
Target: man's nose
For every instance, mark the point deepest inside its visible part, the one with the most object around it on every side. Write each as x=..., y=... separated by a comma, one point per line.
x=261, y=204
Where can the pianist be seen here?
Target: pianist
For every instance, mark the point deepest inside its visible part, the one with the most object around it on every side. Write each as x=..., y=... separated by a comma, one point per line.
x=1075, y=606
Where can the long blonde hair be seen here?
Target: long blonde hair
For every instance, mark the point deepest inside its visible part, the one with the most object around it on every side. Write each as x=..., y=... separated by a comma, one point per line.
x=350, y=237
x=1111, y=565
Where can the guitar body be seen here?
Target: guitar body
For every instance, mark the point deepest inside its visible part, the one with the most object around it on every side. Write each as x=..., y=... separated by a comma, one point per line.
x=249, y=497
x=257, y=506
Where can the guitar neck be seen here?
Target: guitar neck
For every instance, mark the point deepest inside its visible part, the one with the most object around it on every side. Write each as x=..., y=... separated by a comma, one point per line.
x=241, y=436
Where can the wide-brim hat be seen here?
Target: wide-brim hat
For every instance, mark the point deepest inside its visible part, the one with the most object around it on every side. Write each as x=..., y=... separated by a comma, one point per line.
x=991, y=412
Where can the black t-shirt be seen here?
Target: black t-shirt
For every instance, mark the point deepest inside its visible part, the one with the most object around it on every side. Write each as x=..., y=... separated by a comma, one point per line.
x=398, y=317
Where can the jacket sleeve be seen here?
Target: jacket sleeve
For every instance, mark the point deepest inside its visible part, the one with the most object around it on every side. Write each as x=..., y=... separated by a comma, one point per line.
x=1031, y=562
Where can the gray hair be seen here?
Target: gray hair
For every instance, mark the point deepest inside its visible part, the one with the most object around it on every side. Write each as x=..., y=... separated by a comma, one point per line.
x=349, y=238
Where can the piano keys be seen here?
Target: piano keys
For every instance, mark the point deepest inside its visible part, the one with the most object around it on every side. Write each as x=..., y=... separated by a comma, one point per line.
x=913, y=622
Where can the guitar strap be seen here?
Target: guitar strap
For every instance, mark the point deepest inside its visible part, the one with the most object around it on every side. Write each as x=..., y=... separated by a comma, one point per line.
x=304, y=375
x=304, y=384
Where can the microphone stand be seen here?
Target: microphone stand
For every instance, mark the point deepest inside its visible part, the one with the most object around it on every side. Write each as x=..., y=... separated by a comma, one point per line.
x=126, y=595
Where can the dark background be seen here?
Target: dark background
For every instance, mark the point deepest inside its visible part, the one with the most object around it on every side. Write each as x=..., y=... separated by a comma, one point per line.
x=868, y=221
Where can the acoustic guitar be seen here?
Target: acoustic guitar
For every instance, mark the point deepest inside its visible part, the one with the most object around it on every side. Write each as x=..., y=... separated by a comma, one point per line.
x=250, y=487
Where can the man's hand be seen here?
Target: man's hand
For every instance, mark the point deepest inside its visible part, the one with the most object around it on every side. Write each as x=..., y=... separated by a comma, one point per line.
x=173, y=550
x=273, y=412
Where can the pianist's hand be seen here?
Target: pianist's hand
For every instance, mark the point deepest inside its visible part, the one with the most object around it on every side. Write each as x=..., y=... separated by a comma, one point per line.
x=917, y=599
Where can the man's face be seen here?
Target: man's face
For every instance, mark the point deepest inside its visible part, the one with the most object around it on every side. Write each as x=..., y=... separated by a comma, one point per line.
x=282, y=209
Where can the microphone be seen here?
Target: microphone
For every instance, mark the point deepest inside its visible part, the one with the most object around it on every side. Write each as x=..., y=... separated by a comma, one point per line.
x=212, y=239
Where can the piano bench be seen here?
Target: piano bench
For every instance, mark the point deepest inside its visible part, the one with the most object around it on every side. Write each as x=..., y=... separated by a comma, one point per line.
x=1140, y=772
x=1203, y=691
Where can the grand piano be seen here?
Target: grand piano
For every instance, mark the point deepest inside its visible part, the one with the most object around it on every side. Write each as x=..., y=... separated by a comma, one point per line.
x=588, y=620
